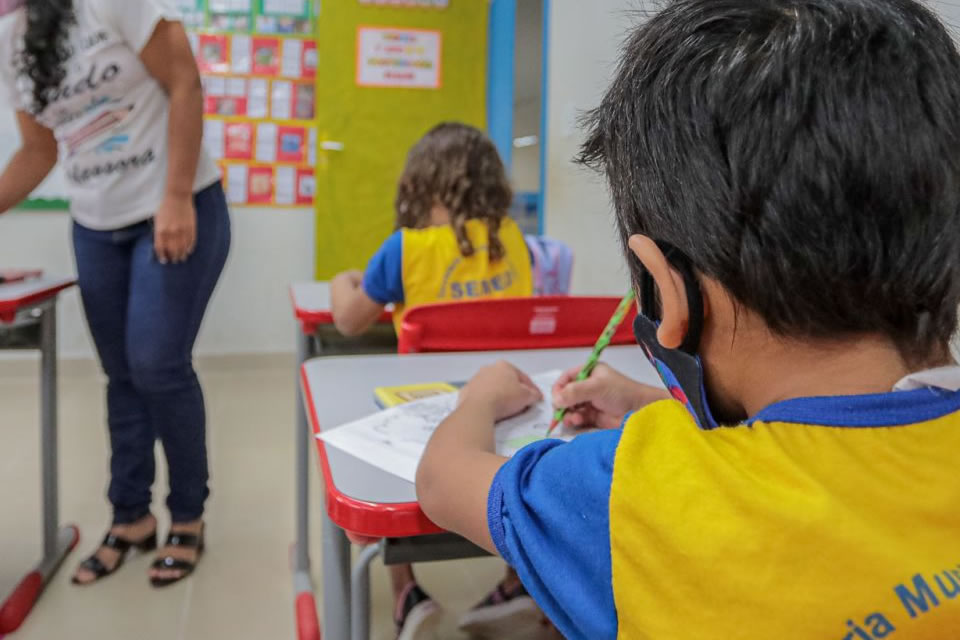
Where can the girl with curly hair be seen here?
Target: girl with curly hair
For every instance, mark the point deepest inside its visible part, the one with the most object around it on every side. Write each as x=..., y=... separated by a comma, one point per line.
x=454, y=241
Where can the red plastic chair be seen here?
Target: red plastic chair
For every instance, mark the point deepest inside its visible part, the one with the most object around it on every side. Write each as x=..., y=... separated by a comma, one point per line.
x=511, y=323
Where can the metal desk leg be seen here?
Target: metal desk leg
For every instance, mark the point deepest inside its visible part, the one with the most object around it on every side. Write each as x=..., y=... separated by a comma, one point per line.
x=360, y=594
x=336, y=581
x=57, y=542
x=308, y=625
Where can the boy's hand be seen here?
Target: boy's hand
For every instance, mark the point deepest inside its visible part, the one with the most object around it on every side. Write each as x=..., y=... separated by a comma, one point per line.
x=501, y=389
x=603, y=399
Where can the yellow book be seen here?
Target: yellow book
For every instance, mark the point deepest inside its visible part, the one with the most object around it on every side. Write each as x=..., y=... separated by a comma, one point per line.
x=388, y=397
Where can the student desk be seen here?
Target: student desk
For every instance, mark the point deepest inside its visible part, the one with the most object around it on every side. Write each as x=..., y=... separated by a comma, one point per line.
x=28, y=320
x=317, y=337
x=367, y=502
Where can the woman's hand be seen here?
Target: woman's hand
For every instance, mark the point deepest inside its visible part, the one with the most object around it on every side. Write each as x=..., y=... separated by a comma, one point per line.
x=603, y=399
x=501, y=389
x=175, y=229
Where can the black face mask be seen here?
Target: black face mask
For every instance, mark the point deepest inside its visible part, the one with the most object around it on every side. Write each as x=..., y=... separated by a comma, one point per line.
x=680, y=369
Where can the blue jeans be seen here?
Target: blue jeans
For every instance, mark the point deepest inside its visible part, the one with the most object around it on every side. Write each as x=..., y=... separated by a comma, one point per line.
x=144, y=318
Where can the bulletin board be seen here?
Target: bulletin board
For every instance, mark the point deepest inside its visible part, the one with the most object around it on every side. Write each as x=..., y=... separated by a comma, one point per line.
x=376, y=103
x=258, y=63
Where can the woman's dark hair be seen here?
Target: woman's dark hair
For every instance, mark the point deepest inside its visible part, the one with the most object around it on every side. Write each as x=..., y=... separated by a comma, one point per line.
x=46, y=47
x=456, y=166
x=802, y=153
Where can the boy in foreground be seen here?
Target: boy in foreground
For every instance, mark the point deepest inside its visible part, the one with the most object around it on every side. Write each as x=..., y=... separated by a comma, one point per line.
x=786, y=179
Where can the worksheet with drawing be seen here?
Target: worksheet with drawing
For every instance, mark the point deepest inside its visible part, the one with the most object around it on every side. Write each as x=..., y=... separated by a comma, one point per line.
x=394, y=439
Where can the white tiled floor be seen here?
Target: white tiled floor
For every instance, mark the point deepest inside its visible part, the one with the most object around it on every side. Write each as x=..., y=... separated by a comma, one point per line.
x=242, y=588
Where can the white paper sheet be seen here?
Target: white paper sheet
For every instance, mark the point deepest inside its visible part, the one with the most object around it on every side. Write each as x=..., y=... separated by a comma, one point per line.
x=213, y=137
x=237, y=184
x=290, y=60
x=258, y=98
x=281, y=100
x=284, y=7
x=241, y=53
x=286, y=185
x=312, y=147
x=237, y=87
x=266, y=142
x=215, y=86
x=394, y=440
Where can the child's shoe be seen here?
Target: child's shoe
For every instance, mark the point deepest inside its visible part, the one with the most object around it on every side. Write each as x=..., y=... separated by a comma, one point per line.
x=506, y=612
x=417, y=614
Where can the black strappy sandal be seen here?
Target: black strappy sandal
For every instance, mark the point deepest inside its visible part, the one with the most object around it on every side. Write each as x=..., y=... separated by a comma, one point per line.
x=120, y=545
x=185, y=540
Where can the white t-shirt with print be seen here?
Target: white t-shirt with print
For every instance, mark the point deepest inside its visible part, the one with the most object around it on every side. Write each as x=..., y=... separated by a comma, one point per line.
x=109, y=116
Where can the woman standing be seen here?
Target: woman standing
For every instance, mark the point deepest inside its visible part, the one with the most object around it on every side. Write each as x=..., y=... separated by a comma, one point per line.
x=110, y=87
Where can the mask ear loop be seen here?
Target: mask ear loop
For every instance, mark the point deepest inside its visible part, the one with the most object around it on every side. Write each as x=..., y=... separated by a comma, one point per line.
x=651, y=307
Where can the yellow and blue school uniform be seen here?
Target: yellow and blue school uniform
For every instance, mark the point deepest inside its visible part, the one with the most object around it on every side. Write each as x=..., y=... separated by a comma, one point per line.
x=421, y=266
x=833, y=518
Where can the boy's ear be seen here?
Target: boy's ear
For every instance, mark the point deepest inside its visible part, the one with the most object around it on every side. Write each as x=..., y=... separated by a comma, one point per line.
x=673, y=293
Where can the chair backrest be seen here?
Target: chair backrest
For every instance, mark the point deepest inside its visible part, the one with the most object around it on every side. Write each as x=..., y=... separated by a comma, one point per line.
x=552, y=322
x=552, y=263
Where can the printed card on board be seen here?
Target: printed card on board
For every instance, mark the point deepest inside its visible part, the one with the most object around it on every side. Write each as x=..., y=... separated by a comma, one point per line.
x=239, y=141
x=291, y=144
x=309, y=65
x=399, y=58
x=212, y=56
x=266, y=56
x=286, y=186
x=260, y=185
x=306, y=186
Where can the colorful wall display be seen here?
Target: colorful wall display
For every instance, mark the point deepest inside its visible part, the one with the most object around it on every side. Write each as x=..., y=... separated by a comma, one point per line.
x=258, y=62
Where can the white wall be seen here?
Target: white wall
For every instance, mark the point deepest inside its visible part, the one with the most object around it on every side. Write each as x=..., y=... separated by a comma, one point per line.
x=584, y=39
x=250, y=311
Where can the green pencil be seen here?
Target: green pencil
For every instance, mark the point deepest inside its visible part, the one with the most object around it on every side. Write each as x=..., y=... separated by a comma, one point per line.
x=602, y=343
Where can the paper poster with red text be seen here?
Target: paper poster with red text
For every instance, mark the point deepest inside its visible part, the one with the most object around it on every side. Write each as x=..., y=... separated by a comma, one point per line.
x=212, y=54
x=238, y=141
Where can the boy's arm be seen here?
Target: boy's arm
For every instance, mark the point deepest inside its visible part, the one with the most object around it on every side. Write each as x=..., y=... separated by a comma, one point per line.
x=353, y=310
x=459, y=464
x=545, y=511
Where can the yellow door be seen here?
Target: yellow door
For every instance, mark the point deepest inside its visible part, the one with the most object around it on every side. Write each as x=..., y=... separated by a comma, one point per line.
x=377, y=93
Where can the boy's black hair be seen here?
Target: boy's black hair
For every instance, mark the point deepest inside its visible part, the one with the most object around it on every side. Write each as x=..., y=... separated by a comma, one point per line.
x=803, y=153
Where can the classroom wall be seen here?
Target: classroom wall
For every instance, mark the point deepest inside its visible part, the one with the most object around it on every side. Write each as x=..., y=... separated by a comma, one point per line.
x=250, y=312
x=584, y=37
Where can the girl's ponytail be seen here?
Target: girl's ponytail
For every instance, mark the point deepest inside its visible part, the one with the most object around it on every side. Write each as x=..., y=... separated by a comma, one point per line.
x=46, y=47
x=495, y=249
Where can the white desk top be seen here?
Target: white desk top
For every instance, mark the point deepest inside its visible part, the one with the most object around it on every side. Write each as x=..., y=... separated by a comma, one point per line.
x=310, y=297
x=16, y=291
x=342, y=391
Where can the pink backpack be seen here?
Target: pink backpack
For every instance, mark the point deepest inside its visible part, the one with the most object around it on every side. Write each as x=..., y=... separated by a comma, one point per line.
x=552, y=262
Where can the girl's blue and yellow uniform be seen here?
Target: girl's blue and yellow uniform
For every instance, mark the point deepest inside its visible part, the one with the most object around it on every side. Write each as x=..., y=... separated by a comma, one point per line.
x=820, y=519
x=420, y=266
